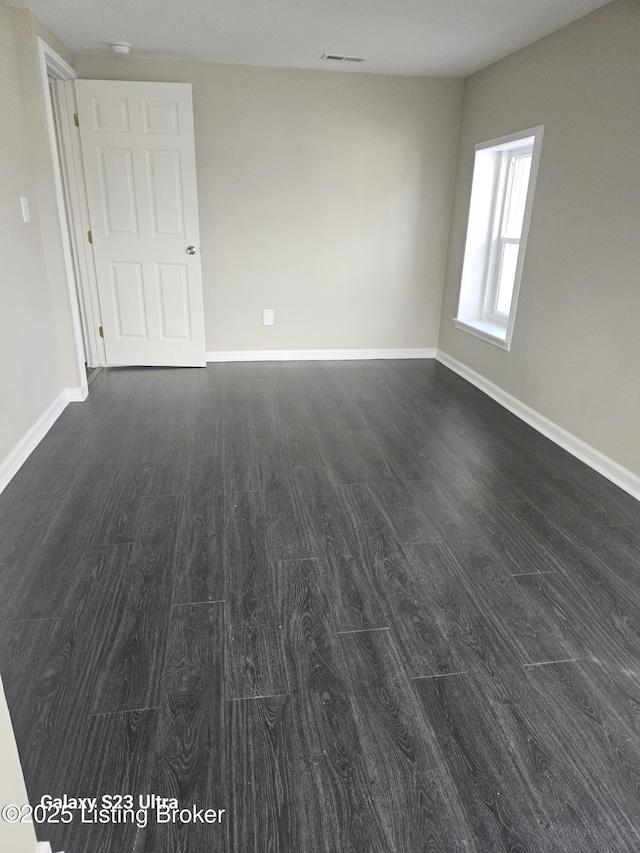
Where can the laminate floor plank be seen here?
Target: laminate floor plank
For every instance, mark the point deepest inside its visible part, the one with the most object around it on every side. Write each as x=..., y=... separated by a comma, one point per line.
x=339, y=456
x=31, y=664
x=477, y=452
x=199, y=571
x=525, y=538
x=194, y=416
x=253, y=387
x=521, y=608
x=486, y=749
x=615, y=550
x=343, y=410
x=370, y=536
x=300, y=444
x=241, y=463
x=361, y=383
x=124, y=504
x=130, y=676
x=521, y=786
x=170, y=475
x=358, y=598
x=323, y=715
x=191, y=763
x=413, y=790
x=429, y=398
x=52, y=667
x=408, y=520
x=287, y=406
x=42, y=572
x=548, y=461
x=591, y=727
x=596, y=592
x=85, y=434
x=608, y=554
x=246, y=384
x=411, y=460
x=563, y=499
x=609, y=504
x=23, y=527
x=318, y=794
x=321, y=396
x=276, y=803
x=48, y=473
x=323, y=515
x=287, y=537
x=441, y=627
x=411, y=396
x=256, y=663
x=206, y=434
x=306, y=618
x=119, y=745
x=354, y=599
x=449, y=512
x=603, y=623
x=375, y=464
x=617, y=684
x=319, y=412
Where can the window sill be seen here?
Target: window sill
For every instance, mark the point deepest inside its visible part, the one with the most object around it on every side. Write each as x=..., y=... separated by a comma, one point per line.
x=492, y=333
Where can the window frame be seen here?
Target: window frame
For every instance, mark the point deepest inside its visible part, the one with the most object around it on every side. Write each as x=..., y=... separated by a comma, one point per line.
x=490, y=195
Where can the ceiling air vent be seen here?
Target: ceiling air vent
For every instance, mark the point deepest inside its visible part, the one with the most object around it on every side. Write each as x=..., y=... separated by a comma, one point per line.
x=339, y=57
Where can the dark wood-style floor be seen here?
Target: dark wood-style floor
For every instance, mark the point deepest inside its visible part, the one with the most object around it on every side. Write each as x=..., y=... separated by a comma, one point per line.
x=359, y=606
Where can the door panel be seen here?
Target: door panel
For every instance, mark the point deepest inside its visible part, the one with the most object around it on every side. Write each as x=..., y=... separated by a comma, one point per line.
x=117, y=192
x=138, y=154
x=173, y=297
x=165, y=185
x=128, y=300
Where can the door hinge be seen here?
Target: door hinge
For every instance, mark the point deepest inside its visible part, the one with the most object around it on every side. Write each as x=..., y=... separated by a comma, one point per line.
x=90, y=237
x=101, y=332
x=75, y=120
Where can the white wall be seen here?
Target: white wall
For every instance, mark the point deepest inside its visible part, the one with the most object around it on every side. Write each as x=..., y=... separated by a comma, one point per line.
x=575, y=354
x=27, y=28
x=323, y=195
x=35, y=363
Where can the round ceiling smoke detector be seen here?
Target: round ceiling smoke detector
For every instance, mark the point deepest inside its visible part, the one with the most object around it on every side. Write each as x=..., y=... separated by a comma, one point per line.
x=121, y=48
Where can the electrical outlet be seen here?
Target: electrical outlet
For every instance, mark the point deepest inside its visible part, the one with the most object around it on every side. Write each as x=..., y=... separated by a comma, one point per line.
x=24, y=204
x=267, y=317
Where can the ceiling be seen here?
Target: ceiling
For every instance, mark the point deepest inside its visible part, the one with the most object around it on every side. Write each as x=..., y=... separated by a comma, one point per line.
x=415, y=37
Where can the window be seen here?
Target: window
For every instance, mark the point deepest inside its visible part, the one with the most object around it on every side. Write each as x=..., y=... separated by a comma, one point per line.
x=504, y=177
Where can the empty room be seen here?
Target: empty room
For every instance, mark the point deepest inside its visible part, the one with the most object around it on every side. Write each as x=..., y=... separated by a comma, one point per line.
x=320, y=426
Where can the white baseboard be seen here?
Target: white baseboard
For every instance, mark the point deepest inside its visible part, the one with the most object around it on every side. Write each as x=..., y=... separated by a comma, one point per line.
x=604, y=465
x=77, y=395
x=317, y=354
x=21, y=451
x=44, y=847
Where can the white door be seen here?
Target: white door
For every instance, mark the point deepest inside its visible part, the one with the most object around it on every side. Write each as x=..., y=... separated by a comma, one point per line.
x=139, y=162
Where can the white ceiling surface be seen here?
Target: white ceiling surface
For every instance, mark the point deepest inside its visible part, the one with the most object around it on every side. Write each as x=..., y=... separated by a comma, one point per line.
x=414, y=37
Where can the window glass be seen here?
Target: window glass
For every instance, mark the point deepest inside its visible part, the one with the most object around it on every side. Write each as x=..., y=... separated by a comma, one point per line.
x=507, y=277
x=519, y=171
x=504, y=177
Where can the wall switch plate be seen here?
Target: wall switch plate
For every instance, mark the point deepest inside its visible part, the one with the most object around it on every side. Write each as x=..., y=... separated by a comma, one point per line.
x=267, y=317
x=24, y=204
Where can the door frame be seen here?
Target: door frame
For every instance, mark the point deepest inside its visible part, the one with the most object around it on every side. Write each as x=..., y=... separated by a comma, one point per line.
x=72, y=209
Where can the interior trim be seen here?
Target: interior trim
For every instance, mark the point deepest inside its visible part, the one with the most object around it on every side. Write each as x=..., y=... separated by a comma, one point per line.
x=317, y=354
